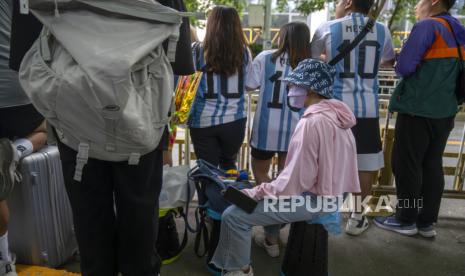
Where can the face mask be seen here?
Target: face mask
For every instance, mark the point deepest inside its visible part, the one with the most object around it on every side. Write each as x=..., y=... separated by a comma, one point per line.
x=297, y=96
x=297, y=101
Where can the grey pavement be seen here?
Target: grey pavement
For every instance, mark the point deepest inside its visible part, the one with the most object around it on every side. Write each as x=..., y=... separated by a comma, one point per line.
x=375, y=253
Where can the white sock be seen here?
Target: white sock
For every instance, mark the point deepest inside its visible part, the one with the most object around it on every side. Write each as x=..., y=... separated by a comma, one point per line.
x=4, y=252
x=357, y=216
x=24, y=147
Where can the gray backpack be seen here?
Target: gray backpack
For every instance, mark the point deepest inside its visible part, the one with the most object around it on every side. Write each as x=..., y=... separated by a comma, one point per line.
x=100, y=75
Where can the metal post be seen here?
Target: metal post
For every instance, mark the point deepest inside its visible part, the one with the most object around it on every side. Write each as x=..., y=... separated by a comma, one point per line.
x=267, y=27
x=187, y=148
x=249, y=128
x=458, y=173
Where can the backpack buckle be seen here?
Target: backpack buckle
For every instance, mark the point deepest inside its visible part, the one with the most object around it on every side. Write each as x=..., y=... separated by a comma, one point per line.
x=134, y=159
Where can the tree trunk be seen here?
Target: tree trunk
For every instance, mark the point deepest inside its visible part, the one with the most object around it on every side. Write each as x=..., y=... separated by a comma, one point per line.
x=395, y=12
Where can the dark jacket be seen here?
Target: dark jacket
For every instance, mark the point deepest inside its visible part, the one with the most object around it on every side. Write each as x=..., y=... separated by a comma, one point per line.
x=25, y=29
x=184, y=64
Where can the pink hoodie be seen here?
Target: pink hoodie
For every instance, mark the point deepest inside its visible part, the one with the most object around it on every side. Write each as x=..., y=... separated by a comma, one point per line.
x=322, y=157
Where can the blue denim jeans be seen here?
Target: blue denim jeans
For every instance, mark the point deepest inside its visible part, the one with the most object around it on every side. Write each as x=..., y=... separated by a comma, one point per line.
x=233, y=251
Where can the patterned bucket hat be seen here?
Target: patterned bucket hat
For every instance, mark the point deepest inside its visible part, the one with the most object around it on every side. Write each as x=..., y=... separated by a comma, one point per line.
x=314, y=75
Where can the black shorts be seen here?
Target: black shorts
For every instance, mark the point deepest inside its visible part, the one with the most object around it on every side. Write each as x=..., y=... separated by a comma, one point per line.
x=367, y=135
x=264, y=154
x=19, y=121
x=369, y=148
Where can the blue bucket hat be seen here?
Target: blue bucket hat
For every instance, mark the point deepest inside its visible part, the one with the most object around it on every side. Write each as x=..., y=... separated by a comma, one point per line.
x=314, y=75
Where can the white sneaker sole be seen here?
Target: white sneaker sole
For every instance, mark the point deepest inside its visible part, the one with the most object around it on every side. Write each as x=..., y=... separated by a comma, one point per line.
x=428, y=234
x=260, y=243
x=406, y=232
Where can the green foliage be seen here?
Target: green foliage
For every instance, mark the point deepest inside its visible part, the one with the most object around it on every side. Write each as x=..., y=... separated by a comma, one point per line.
x=403, y=10
x=201, y=7
x=304, y=6
x=309, y=6
x=256, y=49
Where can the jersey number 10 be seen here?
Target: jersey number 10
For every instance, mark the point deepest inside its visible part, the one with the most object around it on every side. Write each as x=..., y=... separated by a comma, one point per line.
x=362, y=57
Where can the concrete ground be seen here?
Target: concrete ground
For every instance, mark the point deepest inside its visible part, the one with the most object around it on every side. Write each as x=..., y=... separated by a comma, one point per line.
x=376, y=252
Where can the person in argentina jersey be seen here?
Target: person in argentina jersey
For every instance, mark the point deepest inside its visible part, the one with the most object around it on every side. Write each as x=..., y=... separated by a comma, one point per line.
x=275, y=120
x=356, y=84
x=217, y=118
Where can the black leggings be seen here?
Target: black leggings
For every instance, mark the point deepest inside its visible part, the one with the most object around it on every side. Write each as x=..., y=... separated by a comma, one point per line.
x=219, y=145
x=417, y=166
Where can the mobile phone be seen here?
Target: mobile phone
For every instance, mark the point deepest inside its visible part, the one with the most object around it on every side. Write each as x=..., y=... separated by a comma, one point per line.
x=241, y=200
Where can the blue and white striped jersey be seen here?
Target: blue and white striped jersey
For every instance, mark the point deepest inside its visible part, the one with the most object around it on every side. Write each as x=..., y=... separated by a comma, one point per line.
x=356, y=82
x=219, y=99
x=274, y=121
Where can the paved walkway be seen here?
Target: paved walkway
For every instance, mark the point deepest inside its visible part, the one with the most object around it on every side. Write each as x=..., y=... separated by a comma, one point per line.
x=375, y=253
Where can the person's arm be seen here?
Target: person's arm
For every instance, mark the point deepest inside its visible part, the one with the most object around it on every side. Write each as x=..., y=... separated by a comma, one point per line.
x=388, y=55
x=254, y=75
x=318, y=45
x=387, y=64
x=300, y=172
x=418, y=43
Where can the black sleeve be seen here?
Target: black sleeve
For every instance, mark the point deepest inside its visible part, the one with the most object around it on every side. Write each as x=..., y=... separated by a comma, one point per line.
x=24, y=31
x=183, y=64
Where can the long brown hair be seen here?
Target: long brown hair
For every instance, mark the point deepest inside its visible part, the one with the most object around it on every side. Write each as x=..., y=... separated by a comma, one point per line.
x=224, y=42
x=294, y=39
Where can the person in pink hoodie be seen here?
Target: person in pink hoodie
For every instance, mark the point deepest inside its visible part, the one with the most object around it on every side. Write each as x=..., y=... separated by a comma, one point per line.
x=321, y=164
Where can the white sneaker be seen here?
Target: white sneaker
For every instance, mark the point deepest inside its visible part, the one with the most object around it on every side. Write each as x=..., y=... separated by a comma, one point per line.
x=271, y=250
x=8, y=268
x=239, y=273
x=427, y=232
x=356, y=227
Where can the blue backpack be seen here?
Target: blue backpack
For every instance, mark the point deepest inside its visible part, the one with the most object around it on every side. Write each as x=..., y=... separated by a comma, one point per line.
x=210, y=185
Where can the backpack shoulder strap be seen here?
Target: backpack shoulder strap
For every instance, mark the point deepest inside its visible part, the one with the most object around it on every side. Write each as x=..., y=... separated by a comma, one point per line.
x=375, y=11
x=346, y=50
x=198, y=51
x=447, y=24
